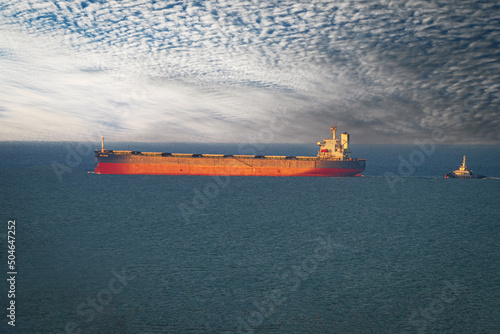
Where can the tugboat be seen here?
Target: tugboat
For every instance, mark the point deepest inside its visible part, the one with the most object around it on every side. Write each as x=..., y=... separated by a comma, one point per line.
x=464, y=173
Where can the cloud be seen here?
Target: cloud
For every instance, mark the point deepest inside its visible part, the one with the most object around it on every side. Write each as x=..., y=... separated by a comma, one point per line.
x=393, y=70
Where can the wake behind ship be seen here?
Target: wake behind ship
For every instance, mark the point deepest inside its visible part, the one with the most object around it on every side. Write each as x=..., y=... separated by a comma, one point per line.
x=333, y=159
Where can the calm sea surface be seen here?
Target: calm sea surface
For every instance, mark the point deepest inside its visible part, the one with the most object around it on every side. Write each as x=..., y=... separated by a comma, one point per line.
x=400, y=250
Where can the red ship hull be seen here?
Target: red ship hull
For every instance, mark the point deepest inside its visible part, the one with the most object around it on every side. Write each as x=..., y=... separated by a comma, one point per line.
x=332, y=160
x=160, y=169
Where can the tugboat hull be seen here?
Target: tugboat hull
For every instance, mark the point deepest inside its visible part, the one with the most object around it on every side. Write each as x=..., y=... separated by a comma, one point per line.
x=473, y=176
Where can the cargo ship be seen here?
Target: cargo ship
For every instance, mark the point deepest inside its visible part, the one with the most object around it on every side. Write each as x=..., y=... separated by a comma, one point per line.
x=333, y=159
x=463, y=173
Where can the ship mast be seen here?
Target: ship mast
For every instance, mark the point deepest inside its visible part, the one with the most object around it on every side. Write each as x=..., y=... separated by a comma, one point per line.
x=334, y=129
x=463, y=168
x=102, y=143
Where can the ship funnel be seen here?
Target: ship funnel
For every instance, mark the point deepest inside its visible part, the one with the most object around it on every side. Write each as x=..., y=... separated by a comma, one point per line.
x=344, y=140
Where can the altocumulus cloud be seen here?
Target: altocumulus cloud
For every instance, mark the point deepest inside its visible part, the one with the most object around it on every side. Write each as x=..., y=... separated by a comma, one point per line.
x=388, y=71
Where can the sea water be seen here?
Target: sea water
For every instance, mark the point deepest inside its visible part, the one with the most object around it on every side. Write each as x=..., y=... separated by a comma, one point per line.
x=400, y=250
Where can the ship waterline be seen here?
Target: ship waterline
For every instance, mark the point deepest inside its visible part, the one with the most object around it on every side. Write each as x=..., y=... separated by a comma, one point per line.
x=333, y=160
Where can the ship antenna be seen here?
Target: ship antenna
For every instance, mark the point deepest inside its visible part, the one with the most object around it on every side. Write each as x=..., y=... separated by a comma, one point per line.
x=102, y=143
x=333, y=130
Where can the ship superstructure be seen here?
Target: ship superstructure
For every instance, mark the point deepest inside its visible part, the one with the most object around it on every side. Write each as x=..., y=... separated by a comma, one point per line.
x=463, y=173
x=333, y=159
x=334, y=148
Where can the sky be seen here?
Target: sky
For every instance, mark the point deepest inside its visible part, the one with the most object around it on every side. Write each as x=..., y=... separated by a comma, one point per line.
x=386, y=71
